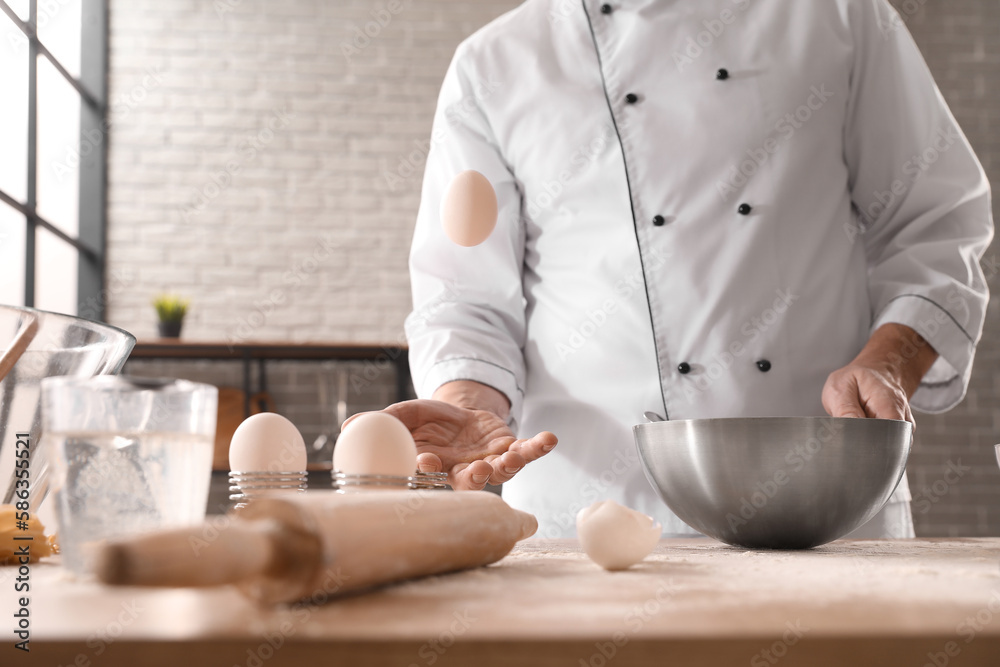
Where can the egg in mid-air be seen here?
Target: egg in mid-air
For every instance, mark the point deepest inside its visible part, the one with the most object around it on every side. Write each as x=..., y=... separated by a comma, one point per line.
x=469, y=209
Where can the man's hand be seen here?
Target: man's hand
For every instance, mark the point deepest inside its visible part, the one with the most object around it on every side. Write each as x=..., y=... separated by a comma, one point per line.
x=882, y=378
x=473, y=445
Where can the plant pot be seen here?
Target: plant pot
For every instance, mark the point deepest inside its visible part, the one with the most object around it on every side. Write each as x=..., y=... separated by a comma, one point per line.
x=169, y=329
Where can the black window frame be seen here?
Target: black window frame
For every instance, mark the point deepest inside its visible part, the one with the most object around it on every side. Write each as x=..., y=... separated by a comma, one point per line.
x=92, y=87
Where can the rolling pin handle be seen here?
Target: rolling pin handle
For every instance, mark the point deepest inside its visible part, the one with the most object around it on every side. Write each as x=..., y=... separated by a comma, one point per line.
x=240, y=551
x=529, y=524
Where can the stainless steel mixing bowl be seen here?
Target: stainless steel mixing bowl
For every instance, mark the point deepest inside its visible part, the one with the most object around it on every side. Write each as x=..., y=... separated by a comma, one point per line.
x=775, y=482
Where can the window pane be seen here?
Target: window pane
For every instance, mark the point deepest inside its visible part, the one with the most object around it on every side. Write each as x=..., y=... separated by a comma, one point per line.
x=55, y=273
x=58, y=149
x=59, y=31
x=20, y=8
x=12, y=258
x=13, y=110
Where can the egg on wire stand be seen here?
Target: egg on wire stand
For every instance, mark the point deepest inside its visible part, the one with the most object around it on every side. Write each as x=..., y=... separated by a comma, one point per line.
x=267, y=455
x=375, y=450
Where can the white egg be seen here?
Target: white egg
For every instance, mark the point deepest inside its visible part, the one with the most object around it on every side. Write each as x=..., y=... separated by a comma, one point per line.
x=375, y=443
x=267, y=442
x=616, y=537
x=469, y=209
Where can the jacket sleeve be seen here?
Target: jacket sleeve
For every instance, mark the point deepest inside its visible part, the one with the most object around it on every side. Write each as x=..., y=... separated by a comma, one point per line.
x=921, y=198
x=468, y=321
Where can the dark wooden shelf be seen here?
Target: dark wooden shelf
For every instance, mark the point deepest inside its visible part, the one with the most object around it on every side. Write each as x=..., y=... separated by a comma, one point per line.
x=166, y=348
x=264, y=351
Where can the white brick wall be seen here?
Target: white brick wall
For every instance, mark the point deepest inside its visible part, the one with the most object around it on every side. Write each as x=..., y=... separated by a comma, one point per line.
x=190, y=84
x=306, y=210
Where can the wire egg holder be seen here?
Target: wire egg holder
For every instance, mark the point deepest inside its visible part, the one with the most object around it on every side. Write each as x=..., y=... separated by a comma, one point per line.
x=245, y=486
x=347, y=482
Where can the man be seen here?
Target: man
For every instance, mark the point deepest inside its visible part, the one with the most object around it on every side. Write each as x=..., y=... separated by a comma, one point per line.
x=707, y=209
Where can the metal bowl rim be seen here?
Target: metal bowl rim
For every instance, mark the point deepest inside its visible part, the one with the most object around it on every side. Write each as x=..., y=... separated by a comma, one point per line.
x=720, y=420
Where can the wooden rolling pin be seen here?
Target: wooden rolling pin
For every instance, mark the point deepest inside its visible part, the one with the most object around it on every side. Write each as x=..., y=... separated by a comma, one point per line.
x=320, y=544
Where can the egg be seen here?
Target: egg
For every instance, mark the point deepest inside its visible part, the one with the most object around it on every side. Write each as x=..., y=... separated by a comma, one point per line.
x=469, y=209
x=267, y=442
x=614, y=536
x=375, y=443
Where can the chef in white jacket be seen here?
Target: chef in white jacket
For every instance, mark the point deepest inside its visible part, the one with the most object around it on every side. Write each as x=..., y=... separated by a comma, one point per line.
x=721, y=208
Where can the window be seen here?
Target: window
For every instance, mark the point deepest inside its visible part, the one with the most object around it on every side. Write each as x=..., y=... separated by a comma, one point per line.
x=53, y=87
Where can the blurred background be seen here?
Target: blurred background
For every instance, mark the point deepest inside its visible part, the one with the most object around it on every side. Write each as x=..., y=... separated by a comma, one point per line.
x=264, y=161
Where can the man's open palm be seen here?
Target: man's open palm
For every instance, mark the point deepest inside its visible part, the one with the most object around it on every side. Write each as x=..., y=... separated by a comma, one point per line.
x=475, y=447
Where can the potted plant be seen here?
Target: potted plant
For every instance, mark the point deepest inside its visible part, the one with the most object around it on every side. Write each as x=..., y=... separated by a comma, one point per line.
x=171, y=310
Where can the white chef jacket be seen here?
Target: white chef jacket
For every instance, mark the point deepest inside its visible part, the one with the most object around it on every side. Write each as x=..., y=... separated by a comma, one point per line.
x=705, y=209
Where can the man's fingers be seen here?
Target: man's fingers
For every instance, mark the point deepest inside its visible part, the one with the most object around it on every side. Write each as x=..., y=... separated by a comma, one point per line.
x=535, y=447
x=885, y=404
x=841, y=397
x=470, y=476
x=505, y=467
x=863, y=392
x=847, y=410
x=412, y=413
x=417, y=412
x=428, y=462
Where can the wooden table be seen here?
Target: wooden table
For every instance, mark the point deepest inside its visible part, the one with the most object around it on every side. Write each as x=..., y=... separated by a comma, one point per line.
x=694, y=602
